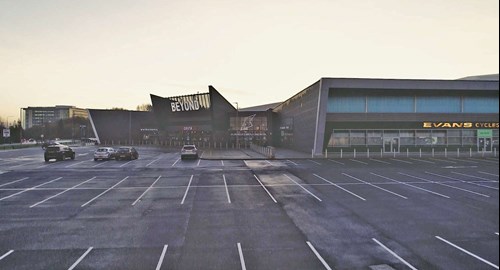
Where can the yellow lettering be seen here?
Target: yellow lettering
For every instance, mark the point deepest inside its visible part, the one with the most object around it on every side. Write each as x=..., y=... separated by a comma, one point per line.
x=427, y=125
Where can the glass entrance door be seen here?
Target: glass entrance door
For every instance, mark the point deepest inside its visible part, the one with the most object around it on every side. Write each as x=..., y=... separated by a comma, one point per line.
x=484, y=144
x=391, y=145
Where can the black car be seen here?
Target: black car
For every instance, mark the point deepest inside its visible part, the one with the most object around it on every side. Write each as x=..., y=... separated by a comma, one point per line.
x=126, y=152
x=58, y=152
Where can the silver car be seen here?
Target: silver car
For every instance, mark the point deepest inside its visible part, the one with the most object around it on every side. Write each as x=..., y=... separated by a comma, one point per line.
x=189, y=151
x=104, y=153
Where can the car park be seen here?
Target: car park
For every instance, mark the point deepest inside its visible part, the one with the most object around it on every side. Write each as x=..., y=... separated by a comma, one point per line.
x=189, y=151
x=58, y=152
x=127, y=152
x=104, y=153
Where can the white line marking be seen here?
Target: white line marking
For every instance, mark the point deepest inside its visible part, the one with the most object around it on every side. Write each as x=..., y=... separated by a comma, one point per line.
x=83, y=154
x=483, y=160
x=331, y=183
x=62, y=192
x=199, y=160
x=394, y=193
x=463, y=160
x=262, y=185
x=6, y=254
x=153, y=161
x=423, y=189
x=315, y=162
x=404, y=161
x=338, y=162
x=269, y=162
x=23, y=164
x=478, y=172
x=376, y=160
x=162, y=256
x=477, y=177
x=31, y=188
x=222, y=162
x=294, y=163
x=187, y=189
x=430, y=181
x=22, y=179
x=443, y=160
x=104, y=192
x=99, y=164
x=302, y=187
x=394, y=254
x=318, y=255
x=125, y=163
x=242, y=259
x=74, y=164
x=146, y=190
x=423, y=160
x=81, y=258
x=467, y=252
x=175, y=162
x=227, y=191
x=358, y=161
x=463, y=181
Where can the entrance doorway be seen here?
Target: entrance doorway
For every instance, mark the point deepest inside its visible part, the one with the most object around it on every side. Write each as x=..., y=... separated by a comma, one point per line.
x=391, y=145
x=484, y=144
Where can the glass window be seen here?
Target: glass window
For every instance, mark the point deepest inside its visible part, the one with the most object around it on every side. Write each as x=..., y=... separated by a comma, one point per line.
x=454, y=141
x=407, y=141
x=391, y=133
x=340, y=138
x=436, y=104
x=407, y=133
x=358, y=137
x=481, y=104
x=346, y=104
x=390, y=104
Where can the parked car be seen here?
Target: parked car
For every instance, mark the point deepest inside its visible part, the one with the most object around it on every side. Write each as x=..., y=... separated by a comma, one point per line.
x=104, y=153
x=126, y=152
x=189, y=151
x=58, y=152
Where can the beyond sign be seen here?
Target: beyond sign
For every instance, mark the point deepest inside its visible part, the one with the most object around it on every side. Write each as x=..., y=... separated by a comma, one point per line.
x=185, y=106
x=458, y=125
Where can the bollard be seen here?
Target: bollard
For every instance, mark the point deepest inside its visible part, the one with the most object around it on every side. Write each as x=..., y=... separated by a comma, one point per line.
x=470, y=152
x=354, y=152
x=340, y=152
x=326, y=152
x=368, y=152
x=381, y=153
x=445, y=152
x=458, y=152
x=420, y=152
x=312, y=153
x=407, y=153
x=432, y=152
x=394, y=151
x=495, y=152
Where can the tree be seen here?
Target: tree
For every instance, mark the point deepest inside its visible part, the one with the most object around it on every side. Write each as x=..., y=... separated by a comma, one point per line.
x=145, y=107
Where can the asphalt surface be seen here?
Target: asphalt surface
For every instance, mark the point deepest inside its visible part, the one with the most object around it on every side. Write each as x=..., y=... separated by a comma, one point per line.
x=160, y=212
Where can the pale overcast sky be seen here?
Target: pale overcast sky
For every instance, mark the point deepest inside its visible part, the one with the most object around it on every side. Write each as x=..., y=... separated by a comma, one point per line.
x=114, y=53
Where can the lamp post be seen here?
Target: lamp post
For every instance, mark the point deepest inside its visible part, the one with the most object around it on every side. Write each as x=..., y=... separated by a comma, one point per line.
x=8, y=127
x=237, y=125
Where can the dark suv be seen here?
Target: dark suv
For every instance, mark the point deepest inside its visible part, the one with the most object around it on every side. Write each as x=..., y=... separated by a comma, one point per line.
x=58, y=152
x=126, y=152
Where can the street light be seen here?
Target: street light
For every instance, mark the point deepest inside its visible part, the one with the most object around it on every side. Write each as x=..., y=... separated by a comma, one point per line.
x=237, y=125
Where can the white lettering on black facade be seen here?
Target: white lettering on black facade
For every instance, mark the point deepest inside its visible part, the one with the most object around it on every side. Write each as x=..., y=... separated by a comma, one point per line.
x=185, y=106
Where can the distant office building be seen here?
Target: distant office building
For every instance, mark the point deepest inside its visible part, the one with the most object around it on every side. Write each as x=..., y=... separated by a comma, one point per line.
x=38, y=116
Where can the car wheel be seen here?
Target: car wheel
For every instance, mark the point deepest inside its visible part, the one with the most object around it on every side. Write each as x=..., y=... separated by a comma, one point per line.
x=73, y=156
x=46, y=160
x=95, y=159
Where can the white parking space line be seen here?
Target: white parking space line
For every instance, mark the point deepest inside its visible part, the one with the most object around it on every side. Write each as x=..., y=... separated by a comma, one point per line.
x=358, y=161
x=23, y=164
x=423, y=189
x=316, y=197
x=477, y=177
x=74, y=164
x=124, y=164
x=51, y=197
x=99, y=164
x=467, y=252
x=187, y=189
x=6, y=254
x=162, y=256
x=294, y=163
x=463, y=160
x=315, y=162
x=463, y=181
x=484, y=160
x=422, y=160
x=489, y=174
x=380, y=161
x=434, y=182
x=444, y=160
x=394, y=254
x=150, y=187
x=394, y=193
x=227, y=191
x=222, y=162
x=242, y=259
x=153, y=161
x=333, y=184
x=19, y=180
x=403, y=161
x=262, y=185
x=104, y=192
x=318, y=256
x=175, y=162
x=80, y=259
x=31, y=188
x=198, y=164
x=338, y=162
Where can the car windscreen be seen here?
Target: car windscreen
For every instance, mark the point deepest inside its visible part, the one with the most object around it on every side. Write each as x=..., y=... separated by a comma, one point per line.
x=123, y=150
x=188, y=147
x=102, y=150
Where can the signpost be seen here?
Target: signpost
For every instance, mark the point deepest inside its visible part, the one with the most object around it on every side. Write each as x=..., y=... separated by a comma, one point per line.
x=6, y=132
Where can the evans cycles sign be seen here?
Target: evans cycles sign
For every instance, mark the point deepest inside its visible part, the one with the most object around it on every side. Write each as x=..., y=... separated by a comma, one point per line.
x=460, y=125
